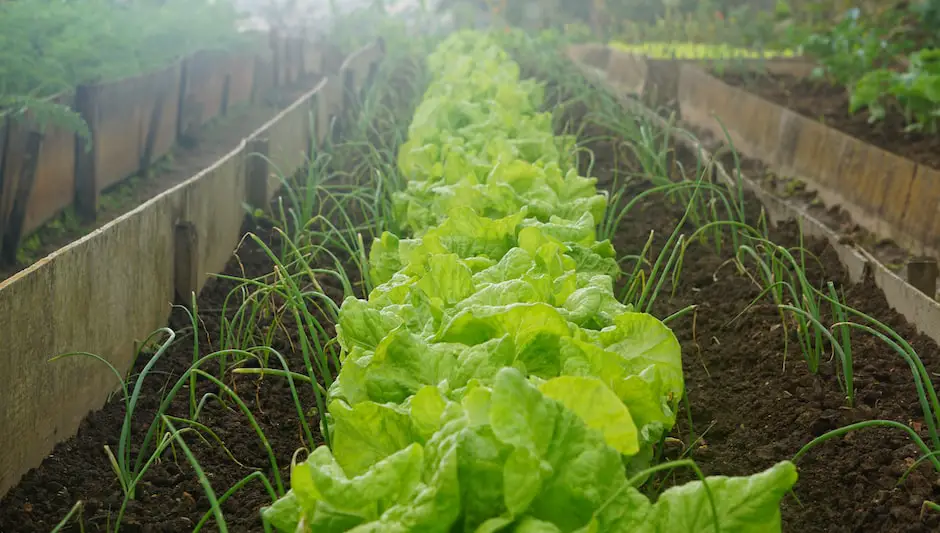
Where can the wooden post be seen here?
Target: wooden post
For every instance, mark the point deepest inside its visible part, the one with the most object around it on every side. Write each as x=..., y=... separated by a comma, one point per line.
x=4, y=149
x=596, y=16
x=4, y=129
x=14, y=231
x=185, y=263
x=332, y=59
x=153, y=126
x=287, y=64
x=276, y=57
x=349, y=91
x=321, y=100
x=257, y=91
x=257, y=171
x=226, y=93
x=313, y=115
x=184, y=84
x=922, y=273
x=326, y=99
x=370, y=78
x=296, y=45
x=86, y=173
x=302, y=53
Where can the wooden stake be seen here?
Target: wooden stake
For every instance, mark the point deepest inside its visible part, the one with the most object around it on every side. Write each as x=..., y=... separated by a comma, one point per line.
x=922, y=273
x=257, y=171
x=153, y=127
x=185, y=263
x=86, y=173
x=14, y=230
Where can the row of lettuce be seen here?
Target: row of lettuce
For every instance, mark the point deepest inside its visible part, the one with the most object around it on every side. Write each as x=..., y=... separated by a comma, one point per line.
x=492, y=381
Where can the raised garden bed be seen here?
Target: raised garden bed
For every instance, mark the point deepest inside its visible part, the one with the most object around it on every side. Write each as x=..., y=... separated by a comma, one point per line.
x=53, y=178
x=768, y=115
x=890, y=196
x=190, y=231
x=176, y=123
x=184, y=161
x=829, y=104
x=653, y=76
x=753, y=402
x=169, y=498
x=93, y=96
x=585, y=450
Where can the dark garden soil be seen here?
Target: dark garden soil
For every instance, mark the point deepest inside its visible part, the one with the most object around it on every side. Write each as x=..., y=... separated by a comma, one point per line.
x=819, y=100
x=170, y=499
x=753, y=405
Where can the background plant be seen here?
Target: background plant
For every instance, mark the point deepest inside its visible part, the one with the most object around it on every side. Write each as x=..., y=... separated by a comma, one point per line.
x=855, y=46
x=49, y=46
x=914, y=93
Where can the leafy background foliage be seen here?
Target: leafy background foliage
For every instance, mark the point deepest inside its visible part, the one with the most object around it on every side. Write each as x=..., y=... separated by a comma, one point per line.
x=48, y=46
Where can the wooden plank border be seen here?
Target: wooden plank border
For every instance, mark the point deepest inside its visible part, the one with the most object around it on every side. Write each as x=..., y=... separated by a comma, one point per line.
x=106, y=292
x=916, y=307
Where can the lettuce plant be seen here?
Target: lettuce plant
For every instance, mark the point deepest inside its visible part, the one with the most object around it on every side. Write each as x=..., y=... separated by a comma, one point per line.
x=491, y=381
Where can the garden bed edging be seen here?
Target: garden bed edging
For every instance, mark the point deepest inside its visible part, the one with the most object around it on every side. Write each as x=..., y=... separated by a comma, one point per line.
x=916, y=307
x=108, y=291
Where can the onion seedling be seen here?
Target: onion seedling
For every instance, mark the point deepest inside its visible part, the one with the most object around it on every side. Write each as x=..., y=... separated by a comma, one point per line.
x=928, y=453
x=839, y=314
x=926, y=393
x=668, y=262
x=76, y=510
x=128, y=471
x=217, y=508
x=203, y=480
x=151, y=448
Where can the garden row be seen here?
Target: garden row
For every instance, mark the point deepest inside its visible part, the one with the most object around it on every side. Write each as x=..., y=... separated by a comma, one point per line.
x=63, y=151
x=492, y=379
x=889, y=195
x=862, y=425
x=437, y=320
x=108, y=291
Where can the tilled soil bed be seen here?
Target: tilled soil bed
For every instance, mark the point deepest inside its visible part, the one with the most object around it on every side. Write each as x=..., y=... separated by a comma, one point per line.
x=829, y=104
x=170, y=498
x=752, y=404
